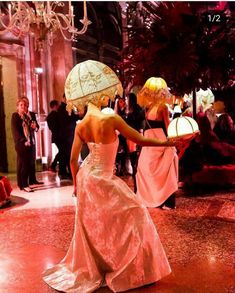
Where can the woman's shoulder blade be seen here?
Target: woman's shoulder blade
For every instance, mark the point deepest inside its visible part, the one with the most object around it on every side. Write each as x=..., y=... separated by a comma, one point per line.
x=109, y=118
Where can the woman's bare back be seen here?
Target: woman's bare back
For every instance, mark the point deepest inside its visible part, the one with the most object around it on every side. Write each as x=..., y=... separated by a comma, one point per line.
x=97, y=127
x=159, y=113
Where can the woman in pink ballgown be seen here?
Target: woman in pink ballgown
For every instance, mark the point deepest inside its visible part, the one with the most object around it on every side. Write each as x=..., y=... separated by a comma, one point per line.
x=115, y=242
x=157, y=172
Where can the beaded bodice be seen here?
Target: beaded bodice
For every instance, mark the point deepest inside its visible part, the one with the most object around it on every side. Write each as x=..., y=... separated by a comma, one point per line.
x=102, y=157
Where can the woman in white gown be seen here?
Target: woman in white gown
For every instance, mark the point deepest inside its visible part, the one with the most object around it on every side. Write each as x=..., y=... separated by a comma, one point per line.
x=157, y=172
x=115, y=242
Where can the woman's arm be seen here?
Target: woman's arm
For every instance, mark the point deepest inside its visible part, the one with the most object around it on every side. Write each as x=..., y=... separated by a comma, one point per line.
x=76, y=148
x=134, y=135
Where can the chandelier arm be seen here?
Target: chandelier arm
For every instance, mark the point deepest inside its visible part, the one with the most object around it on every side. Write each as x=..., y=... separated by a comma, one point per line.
x=85, y=10
x=21, y=11
x=54, y=5
x=62, y=31
x=10, y=26
x=66, y=21
x=69, y=27
x=4, y=25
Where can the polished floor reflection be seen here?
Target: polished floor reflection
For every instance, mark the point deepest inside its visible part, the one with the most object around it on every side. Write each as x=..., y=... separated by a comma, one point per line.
x=35, y=231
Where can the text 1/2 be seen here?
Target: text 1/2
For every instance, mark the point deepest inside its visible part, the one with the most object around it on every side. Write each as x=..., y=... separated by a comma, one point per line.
x=214, y=17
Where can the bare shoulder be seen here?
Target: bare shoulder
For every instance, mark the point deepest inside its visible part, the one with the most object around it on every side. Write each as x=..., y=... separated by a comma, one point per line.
x=163, y=106
x=79, y=128
x=109, y=118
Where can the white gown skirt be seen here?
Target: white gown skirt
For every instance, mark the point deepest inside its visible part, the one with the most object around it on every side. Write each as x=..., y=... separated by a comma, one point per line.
x=115, y=241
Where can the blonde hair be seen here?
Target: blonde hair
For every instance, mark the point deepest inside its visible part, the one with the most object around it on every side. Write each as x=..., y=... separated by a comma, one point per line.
x=19, y=100
x=154, y=92
x=26, y=100
x=147, y=97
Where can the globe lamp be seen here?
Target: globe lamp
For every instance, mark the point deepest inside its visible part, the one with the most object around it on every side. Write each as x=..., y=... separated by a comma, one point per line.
x=107, y=110
x=182, y=126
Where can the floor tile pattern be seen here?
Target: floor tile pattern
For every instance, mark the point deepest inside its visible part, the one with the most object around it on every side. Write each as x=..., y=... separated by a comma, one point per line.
x=198, y=237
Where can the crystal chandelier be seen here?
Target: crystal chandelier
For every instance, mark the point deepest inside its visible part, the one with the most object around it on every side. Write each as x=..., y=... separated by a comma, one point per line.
x=42, y=18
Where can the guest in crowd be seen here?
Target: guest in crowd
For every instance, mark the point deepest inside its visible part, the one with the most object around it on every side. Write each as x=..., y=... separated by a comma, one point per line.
x=135, y=117
x=216, y=151
x=191, y=161
x=20, y=126
x=177, y=112
x=157, y=172
x=187, y=109
x=120, y=109
x=211, y=115
x=33, y=127
x=67, y=124
x=53, y=124
x=224, y=128
x=206, y=148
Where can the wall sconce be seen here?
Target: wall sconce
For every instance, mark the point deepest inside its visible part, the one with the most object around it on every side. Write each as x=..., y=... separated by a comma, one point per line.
x=38, y=70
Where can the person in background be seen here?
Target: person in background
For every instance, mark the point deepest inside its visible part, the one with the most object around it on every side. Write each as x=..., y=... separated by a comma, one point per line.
x=216, y=151
x=157, y=171
x=53, y=124
x=177, y=112
x=211, y=115
x=21, y=134
x=135, y=117
x=187, y=109
x=67, y=124
x=224, y=128
x=33, y=127
x=120, y=109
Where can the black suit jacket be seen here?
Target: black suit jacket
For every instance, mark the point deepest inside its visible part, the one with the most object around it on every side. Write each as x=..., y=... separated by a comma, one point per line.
x=17, y=131
x=54, y=125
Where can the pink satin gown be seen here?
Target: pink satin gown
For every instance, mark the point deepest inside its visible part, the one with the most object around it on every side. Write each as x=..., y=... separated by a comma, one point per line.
x=157, y=172
x=115, y=241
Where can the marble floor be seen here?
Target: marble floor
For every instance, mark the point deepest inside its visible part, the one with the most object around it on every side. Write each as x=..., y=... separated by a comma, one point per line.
x=198, y=236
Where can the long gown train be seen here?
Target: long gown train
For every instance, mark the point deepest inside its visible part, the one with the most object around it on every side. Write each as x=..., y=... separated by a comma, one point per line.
x=115, y=240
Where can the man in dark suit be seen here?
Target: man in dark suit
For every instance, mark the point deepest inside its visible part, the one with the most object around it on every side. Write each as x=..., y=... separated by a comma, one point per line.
x=53, y=124
x=67, y=124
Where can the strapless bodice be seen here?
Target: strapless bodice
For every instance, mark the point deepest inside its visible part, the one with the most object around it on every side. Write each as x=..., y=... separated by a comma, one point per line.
x=102, y=156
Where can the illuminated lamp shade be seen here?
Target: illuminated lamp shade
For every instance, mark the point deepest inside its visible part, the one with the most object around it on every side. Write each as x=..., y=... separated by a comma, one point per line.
x=90, y=81
x=155, y=83
x=182, y=126
x=148, y=94
x=107, y=110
